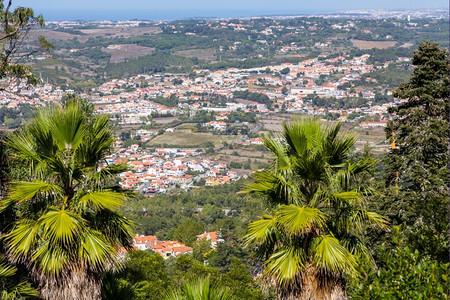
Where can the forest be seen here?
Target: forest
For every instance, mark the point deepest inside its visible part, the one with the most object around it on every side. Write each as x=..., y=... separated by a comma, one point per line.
x=323, y=221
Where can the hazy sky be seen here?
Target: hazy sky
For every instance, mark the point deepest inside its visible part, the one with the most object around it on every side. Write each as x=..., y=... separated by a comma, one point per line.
x=227, y=4
x=257, y=6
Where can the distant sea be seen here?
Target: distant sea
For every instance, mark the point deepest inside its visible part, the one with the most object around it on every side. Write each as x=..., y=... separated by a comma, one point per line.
x=156, y=15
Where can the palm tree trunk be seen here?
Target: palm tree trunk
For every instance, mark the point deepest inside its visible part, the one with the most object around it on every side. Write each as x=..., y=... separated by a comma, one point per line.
x=313, y=285
x=73, y=286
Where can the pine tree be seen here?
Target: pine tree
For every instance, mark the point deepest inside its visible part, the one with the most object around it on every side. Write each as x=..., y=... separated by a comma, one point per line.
x=419, y=162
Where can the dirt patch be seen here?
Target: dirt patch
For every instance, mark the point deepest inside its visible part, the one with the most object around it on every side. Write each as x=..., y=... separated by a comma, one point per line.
x=406, y=45
x=204, y=54
x=121, y=52
x=164, y=120
x=360, y=44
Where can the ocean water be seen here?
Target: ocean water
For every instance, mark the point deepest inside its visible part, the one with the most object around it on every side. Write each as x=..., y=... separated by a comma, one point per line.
x=91, y=15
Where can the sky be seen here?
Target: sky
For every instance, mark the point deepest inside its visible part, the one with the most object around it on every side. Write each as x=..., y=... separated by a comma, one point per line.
x=151, y=9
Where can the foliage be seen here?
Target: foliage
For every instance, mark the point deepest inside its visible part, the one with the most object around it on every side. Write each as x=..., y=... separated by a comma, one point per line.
x=13, y=292
x=402, y=274
x=171, y=101
x=146, y=272
x=115, y=288
x=420, y=158
x=15, y=28
x=199, y=289
x=186, y=232
x=240, y=282
x=319, y=211
x=257, y=97
x=68, y=230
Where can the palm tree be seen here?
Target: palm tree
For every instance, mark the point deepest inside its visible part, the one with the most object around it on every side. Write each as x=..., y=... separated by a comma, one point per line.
x=114, y=288
x=22, y=290
x=200, y=289
x=317, y=198
x=69, y=231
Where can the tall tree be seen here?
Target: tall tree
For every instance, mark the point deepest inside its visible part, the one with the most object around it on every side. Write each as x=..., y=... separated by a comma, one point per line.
x=15, y=26
x=68, y=230
x=317, y=200
x=419, y=162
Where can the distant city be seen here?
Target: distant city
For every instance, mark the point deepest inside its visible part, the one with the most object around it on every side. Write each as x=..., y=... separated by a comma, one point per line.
x=163, y=15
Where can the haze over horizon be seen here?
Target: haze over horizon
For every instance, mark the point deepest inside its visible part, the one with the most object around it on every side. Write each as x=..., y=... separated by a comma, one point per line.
x=157, y=10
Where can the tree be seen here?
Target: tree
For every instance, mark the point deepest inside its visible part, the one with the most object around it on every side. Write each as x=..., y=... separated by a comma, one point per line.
x=240, y=282
x=317, y=198
x=402, y=274
x=14, y=32
x=199, y=289
x=186, y=232
x=67, y=231
x=147, y=272
x=113, y=287
x=419, y=162
x=285, y=71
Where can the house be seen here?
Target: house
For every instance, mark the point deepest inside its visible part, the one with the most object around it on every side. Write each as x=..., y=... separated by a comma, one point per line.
x=213, y=236
x=144, y=242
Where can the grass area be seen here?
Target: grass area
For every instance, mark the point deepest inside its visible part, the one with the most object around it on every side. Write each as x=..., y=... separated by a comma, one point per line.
x=360, y=44
x=125, y=51
x=203, y=54
x=188, y=138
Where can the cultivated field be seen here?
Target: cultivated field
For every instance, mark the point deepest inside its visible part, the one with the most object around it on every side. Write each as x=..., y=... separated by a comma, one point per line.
x=360, y=44
x=125, y=51
x=204, y=54
x=188, y=138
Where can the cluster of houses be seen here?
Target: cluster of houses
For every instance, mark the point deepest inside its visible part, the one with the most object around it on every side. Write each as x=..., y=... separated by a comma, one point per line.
x=166, y=168
x=193, y=93
x=132, y=100
x=168, y=249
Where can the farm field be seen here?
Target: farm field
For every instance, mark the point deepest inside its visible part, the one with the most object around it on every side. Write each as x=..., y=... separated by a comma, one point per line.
x=204, y=54
x=363, y=45
x=187, y=138
x=122, y=52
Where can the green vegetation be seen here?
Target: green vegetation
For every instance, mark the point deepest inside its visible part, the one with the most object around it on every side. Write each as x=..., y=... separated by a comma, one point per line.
x=421, y=132
x=257, y=97
x=66, y=227
x=316, y=196
x=306, y=226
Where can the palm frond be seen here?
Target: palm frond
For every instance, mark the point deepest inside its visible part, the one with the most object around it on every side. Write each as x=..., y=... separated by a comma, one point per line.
x=60, y=226
x=278, y=149
x=24, y=191
x=67, y=127
x=23, y=144
x=260, y=231
x=94, y=248
x=49, y=259
x=6, y=270
x=102, y=200
x=299, y=220
x=362, y=216
x=276, y=187
x=200, y=289
x=22, y=238
x=329, y=255
x=285, y=263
